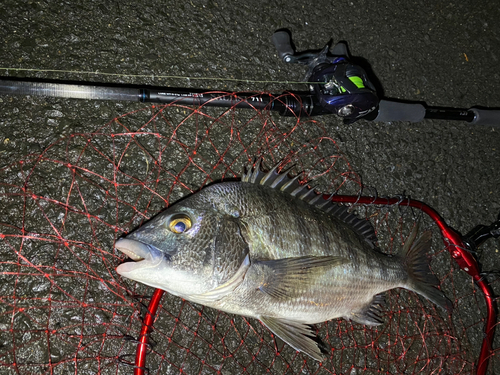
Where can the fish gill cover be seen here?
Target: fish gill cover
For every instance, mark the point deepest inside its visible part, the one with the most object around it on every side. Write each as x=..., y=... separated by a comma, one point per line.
x=64, y=309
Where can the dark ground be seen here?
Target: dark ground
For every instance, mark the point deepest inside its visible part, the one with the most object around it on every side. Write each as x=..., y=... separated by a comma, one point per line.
x=445, y=53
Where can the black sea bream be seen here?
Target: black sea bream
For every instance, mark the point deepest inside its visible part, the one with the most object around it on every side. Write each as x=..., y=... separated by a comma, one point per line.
x=271, y=248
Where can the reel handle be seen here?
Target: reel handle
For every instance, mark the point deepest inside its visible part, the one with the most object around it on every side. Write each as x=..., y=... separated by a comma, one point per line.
x=283, y=44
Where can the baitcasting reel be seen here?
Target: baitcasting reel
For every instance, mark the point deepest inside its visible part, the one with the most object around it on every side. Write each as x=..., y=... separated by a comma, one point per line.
x=339, y=86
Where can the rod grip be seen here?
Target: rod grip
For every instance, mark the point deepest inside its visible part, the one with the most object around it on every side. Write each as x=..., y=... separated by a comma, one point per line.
x=282, y=42
x=488, y=117
x=396, y=111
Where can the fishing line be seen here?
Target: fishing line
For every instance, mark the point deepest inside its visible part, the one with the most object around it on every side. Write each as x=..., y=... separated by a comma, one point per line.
x=152, y=76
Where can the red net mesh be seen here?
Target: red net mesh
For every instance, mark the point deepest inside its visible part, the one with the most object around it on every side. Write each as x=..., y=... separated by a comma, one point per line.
x=65, y=310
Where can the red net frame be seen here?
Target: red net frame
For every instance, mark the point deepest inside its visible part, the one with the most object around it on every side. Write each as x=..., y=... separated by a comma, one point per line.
x=66, y=310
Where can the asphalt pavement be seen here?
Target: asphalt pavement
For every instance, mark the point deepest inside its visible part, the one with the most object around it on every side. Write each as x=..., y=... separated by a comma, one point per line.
x=443, y=53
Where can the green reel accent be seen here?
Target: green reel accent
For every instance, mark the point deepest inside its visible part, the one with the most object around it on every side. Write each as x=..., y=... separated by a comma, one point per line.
x=358, y=81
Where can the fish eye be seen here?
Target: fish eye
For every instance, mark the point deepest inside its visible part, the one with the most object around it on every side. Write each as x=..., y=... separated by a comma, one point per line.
x=179, y=223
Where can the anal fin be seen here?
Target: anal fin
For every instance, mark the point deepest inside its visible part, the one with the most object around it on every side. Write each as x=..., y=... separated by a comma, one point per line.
x=296, y=334
x=370, y=313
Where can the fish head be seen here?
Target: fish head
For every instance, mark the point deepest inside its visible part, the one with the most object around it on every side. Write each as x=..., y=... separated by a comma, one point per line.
x=186, y=250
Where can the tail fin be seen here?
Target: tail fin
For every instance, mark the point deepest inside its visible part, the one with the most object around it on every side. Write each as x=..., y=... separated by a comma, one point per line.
x=420, y=278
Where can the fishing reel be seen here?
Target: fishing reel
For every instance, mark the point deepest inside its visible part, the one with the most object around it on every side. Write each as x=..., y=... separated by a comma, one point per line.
x=337, y=85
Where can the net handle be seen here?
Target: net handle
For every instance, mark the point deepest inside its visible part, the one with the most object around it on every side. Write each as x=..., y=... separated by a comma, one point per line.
x=452, y=240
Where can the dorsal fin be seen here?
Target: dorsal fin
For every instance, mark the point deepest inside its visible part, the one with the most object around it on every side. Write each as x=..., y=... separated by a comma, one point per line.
x=303, y=191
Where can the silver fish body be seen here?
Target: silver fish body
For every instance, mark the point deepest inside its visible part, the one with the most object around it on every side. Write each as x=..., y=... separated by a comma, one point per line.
x=270, y=248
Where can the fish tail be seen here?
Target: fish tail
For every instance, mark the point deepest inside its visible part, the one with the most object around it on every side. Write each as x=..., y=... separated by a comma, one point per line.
x=420, y=279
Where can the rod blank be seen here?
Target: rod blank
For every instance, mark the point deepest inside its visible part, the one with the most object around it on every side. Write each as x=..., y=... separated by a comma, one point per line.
x=65, y=90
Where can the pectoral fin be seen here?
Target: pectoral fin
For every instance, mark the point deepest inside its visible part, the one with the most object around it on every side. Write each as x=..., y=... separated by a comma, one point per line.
x=287, y=278
x=298, y=335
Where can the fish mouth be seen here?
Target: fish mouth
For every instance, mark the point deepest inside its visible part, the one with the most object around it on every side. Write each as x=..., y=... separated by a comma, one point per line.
x=142, y=254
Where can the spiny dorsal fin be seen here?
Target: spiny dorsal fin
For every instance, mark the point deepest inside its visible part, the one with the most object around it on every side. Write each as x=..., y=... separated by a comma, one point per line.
x=254, y=176
x=303, y=191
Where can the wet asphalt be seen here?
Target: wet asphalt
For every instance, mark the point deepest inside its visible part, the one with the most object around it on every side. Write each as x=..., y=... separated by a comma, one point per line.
x=444, y=53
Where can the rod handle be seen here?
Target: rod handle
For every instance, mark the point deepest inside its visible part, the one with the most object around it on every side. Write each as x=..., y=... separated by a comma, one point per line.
x=488, y=117
x=389, y=111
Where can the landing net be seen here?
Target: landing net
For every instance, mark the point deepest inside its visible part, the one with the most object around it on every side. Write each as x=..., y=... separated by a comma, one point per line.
x=63, y=308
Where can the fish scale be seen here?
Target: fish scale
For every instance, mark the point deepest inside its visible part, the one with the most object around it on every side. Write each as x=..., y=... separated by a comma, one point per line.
x=270, y=247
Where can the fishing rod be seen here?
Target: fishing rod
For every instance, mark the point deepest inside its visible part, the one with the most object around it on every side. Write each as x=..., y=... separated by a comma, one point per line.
x=336, y=86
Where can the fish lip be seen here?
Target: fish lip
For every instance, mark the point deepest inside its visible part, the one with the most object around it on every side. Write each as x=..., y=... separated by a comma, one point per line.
x=139, y=251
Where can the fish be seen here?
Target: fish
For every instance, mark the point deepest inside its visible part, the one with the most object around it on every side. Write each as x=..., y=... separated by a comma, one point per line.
x=270, y=247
